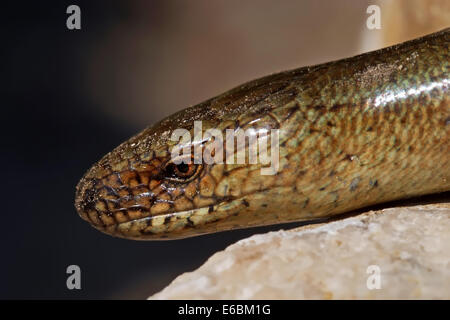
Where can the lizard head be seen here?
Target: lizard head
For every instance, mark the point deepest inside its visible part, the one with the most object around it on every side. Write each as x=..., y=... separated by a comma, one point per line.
x=141, y=190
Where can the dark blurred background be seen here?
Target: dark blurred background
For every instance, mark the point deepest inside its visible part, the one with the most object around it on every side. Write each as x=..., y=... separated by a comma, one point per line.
x=70, y=96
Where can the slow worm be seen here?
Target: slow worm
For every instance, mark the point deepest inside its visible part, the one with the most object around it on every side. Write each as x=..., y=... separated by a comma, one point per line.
x=352, y=133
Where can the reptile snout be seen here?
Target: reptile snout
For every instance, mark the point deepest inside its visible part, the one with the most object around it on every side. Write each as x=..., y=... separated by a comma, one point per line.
x=86, y=198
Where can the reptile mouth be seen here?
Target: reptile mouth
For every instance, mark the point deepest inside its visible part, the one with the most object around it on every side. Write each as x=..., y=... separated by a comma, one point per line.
x=176, y=225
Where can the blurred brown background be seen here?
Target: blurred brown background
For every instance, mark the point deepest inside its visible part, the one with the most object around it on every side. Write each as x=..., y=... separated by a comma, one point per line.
x=69, y=97
x=167, y=55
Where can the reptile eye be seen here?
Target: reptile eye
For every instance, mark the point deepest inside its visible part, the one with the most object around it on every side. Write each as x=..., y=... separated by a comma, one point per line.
x=181, y=172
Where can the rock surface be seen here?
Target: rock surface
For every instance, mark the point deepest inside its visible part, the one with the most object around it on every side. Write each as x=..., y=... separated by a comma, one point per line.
x=405, y=251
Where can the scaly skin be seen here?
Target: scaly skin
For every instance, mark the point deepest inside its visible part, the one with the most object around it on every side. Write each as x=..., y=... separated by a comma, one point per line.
x=353, y=133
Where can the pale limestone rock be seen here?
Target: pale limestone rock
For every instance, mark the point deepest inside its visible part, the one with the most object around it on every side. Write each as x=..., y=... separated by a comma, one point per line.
x=411, y=246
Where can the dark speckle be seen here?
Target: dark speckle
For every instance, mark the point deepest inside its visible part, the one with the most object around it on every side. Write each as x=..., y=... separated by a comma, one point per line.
x=336, y=107
x=306, y=203
x=301, y=173
x=354, y=184
x=321, y=189
x=210, y=208
x=264, y=205
x=245, y=202
x=373, y=183
x=447, y=121
x=320, y=107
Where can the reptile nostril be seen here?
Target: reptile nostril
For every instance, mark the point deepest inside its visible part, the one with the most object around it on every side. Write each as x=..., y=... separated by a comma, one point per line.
x=86, y=197
x=89, y=199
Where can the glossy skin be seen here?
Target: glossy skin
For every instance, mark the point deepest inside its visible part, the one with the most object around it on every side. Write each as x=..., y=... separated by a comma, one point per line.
x=353, y=133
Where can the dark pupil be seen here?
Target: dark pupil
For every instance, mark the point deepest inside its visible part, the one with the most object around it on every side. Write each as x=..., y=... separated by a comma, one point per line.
x=183, y=167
